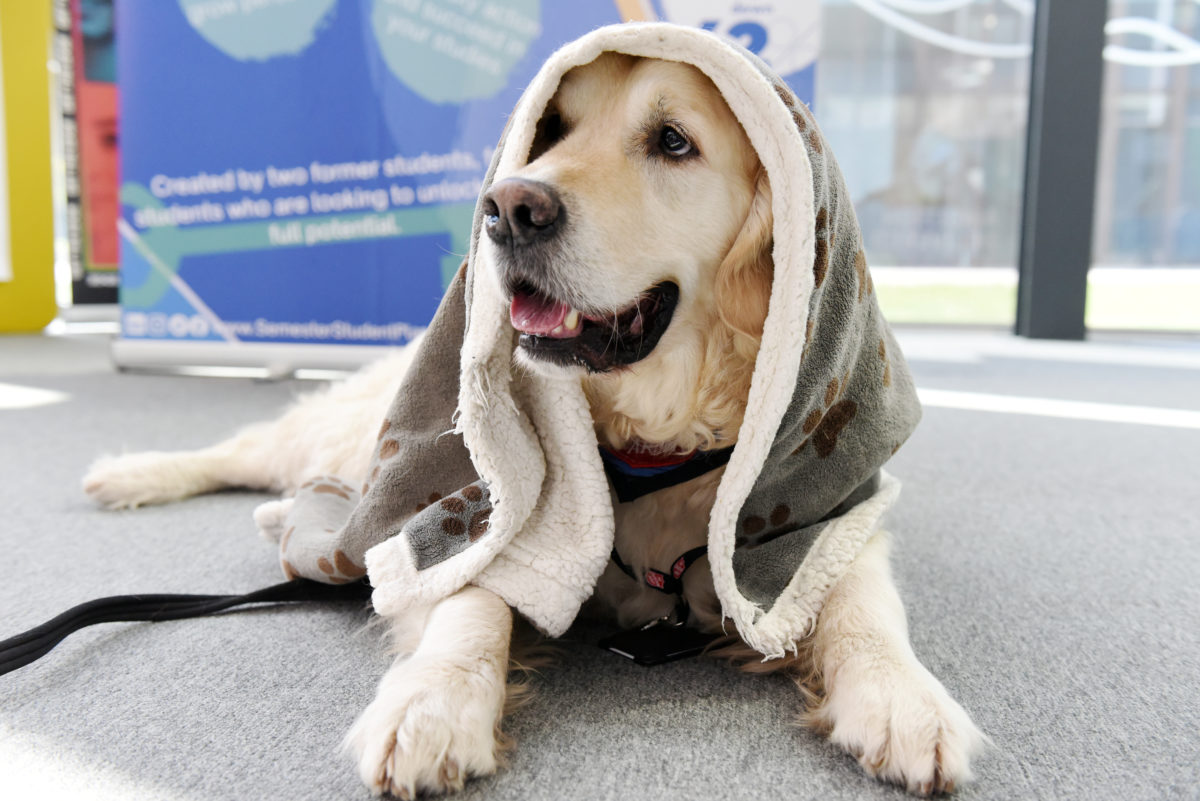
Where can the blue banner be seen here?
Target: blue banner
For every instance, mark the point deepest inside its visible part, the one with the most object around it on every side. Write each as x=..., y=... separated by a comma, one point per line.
x=305, y=171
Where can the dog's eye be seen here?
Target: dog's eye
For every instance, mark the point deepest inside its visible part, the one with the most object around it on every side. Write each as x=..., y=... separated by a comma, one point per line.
x=550, y=129
x=673, y=143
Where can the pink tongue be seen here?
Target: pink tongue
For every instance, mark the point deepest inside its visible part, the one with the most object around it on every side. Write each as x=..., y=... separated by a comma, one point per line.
x=531, y=314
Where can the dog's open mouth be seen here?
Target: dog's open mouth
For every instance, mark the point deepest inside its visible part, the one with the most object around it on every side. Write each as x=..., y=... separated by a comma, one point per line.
x=553, y=331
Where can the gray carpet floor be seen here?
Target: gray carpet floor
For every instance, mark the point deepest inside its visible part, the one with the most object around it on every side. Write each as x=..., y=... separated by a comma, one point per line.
x=1049, y=567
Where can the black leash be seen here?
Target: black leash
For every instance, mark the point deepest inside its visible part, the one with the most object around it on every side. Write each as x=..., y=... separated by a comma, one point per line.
x=654, y=644
x=18, y=651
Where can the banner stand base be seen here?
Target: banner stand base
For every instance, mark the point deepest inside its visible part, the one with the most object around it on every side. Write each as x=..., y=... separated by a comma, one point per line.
x=276, y=360
x=90, y=313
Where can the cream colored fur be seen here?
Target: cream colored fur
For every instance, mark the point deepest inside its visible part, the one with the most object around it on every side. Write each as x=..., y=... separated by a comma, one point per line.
x=678, y=518
x=436, y=716
x=435, y=719
x=322, y=433
x=638, y=220
x=880, y=703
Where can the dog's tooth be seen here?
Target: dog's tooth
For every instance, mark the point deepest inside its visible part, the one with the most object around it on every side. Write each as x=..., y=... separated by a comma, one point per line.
x=558, y=329
x=572, y=321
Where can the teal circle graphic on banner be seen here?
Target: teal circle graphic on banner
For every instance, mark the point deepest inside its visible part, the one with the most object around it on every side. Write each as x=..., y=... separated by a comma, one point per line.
x=452, y=51
x=256, y=30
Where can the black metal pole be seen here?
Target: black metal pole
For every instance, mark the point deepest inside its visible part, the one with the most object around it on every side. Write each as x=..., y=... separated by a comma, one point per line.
x=1066, y=76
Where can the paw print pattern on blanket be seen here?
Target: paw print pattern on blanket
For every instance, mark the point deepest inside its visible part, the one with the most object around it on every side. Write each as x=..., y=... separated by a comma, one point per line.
x=320, y=507
x=463, y=513
x=800, y=115
x=447, y=526
x=434, y=497
x=866, y=285
x=887, y=367
x=329, y=485
x=384, y=450
x=754, y=531
x=822, y=426
x=342, y=569
x=289, y=571
x=823, y=245
x=824, y=236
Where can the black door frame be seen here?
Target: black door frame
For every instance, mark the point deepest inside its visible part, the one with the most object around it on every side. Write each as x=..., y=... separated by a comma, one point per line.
x=1066, y=76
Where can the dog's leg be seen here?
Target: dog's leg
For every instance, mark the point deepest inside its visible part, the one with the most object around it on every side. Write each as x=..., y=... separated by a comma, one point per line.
x=327, y=432
x=881, y=704
x=137, y=479
x=435, y=718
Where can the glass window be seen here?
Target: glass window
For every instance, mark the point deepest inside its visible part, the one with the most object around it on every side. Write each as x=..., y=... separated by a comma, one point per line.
x=925, y=102
x=1146, y=249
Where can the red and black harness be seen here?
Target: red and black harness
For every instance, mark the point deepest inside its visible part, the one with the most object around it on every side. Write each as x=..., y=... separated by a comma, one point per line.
x=633, y=474
x=670, y=583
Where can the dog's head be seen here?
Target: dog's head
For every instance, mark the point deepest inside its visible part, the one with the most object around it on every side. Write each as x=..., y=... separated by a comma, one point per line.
x=641, y=217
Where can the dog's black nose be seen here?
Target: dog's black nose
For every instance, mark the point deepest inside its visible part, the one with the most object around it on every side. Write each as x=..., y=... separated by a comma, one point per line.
x=520, y=212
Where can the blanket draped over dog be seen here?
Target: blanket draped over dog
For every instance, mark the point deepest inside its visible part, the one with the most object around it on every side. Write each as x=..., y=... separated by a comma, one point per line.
x=487, y=475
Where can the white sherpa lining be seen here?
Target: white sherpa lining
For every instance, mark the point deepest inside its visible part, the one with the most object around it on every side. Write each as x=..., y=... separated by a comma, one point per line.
x=391, y=564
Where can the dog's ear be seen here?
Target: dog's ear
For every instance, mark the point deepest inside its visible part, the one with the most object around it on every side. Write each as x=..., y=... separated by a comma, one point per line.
x=744, y=277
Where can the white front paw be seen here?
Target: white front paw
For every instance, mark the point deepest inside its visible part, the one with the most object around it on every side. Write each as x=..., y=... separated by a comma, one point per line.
x=432, y=724
x=902, y=725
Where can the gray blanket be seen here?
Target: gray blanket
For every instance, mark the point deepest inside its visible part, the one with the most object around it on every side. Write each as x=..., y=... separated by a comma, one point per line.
x=488, y=476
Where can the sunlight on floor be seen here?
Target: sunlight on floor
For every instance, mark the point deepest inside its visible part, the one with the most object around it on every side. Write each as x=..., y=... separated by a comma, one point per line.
x=1071, y=410
x=32, y=769
x=13, y=396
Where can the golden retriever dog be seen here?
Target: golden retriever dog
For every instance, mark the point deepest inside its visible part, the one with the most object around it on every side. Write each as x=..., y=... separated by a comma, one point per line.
x=641, y=191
